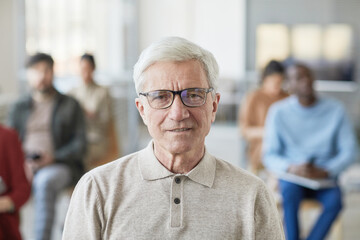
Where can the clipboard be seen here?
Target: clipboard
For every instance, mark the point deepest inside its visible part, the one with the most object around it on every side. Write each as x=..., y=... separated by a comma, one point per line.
x=314, y=184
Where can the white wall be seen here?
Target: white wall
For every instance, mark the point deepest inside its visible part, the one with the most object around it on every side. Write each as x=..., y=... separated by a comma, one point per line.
x=217, y=25
x=8, y=80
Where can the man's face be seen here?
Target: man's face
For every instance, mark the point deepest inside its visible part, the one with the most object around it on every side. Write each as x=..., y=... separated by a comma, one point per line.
x=40, y=77
x=86, y=70
x=177, y=129
x=301, y=82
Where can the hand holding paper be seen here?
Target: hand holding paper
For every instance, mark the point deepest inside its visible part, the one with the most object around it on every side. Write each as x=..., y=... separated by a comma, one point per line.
x=308, y=170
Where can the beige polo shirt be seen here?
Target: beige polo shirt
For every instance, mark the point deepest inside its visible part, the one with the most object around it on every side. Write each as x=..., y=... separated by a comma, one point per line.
x=136, y=197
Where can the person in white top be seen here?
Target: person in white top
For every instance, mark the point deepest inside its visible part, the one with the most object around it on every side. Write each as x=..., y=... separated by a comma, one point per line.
x=96, y=103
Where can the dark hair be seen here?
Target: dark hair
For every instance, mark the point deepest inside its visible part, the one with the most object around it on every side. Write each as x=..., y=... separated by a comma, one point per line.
x=40, y=57
x=90, y=58
x=300, y=65
x=272, y=67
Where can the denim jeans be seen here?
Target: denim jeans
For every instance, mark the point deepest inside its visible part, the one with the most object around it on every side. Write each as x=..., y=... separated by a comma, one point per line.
x=47, y=183
x=293, y=194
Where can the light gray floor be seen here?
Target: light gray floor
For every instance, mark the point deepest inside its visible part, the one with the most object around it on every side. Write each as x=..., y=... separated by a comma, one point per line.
x=223, y=141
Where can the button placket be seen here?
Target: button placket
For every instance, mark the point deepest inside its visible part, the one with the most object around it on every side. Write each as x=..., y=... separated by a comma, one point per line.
x=176, y=203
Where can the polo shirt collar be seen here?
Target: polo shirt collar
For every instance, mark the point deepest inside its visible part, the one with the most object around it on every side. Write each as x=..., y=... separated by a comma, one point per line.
x=151, y=169
x=204, y=172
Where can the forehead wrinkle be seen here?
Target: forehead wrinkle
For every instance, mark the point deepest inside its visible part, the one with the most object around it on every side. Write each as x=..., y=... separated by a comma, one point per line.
x=164, y=72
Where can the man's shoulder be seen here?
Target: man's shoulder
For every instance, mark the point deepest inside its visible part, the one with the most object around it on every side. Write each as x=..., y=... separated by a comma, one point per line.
x=115, y=167
x=236, y=175
x=120, y=174
x=102, y=92
x=283, y=103
x=67, y=102
x=102, y=89
x=66, y=98
x=332, y=103
x=282, y=106
x=23, y=101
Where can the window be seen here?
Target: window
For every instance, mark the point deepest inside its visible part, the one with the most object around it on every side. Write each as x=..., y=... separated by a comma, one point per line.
x=328, y=49
x=68, y=28
x=273, y=42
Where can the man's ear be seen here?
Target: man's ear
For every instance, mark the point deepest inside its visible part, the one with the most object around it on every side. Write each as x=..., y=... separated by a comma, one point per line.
x=215, y=105
x=140, y=107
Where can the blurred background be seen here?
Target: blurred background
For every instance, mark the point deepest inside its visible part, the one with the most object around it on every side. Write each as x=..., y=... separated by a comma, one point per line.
x=243, y=35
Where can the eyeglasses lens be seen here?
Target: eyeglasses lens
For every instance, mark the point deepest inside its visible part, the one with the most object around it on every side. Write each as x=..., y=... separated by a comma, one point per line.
x=193, y=97
x=160, y=99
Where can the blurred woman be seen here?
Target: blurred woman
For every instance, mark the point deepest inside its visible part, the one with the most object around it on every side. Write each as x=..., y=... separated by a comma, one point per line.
x=254, y=109
x=14, y=186
x=96, y=103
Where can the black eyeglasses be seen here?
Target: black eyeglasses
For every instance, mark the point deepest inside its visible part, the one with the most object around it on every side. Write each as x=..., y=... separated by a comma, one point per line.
x=190, y=97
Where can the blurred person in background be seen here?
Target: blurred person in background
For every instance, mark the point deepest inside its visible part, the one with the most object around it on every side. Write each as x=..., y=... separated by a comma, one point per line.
x=51, y=127
x=174, y=188
x=14, y=186
x=100, y=126
x=253, y=110
x=312, y=137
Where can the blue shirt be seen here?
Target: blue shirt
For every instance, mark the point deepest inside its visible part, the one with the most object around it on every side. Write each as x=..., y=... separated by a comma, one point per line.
x=294, y=134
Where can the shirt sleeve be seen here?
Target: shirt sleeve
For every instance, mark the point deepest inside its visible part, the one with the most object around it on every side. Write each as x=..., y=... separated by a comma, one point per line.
x=20, y=187
x=345, y=147
x=273, y=158
x=268, y=223
x=84, y=219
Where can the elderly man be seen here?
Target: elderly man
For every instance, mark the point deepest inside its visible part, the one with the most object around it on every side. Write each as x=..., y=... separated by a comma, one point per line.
x=312, y=137
x=51, y=127
x=174, y=188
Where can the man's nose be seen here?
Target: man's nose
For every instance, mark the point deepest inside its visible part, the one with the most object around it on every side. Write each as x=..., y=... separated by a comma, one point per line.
x=178, y=111
x=41, y=76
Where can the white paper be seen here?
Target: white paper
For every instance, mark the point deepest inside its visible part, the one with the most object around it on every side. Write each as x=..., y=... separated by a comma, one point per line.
x=307, y=182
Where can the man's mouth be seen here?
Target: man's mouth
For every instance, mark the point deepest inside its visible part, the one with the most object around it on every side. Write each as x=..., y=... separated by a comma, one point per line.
x=180, y=130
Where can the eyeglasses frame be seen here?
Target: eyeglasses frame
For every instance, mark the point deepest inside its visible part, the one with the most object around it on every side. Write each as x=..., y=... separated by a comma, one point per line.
x=174, y=93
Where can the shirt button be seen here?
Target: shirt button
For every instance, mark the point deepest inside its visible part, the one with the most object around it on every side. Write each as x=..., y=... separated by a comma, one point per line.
x=176, y=200
x=177, y=180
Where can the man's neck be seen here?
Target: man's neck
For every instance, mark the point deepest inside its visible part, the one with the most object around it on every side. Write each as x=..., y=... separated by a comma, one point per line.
x=179, y=162
x=43, y=96
x=307, y=101
x=89, y=82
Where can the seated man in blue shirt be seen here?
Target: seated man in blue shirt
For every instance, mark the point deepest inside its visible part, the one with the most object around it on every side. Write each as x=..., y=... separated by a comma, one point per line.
x=312, y=137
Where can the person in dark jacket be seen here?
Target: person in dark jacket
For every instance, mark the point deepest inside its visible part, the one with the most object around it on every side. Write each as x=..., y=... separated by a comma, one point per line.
x=52, y=130
x=14, y=186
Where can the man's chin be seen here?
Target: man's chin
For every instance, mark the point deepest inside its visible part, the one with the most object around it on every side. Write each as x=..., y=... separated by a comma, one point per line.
x=179, y=147
x=45, y=91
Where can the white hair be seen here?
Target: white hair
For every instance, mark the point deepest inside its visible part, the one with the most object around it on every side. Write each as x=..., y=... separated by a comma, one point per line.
x=179, y=50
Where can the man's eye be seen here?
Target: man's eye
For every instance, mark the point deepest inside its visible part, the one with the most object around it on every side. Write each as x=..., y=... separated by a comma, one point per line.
x=160, y=97
x=195, y=95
